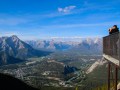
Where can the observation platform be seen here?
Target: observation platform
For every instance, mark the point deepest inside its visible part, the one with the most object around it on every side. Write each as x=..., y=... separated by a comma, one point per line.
x=111, y=48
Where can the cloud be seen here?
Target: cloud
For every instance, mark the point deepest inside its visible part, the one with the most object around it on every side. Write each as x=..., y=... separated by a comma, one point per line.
x=8, y=33
x=11, y=20
x=73, y=37
x=66, y=9
x=102, y=24
x=21, y=35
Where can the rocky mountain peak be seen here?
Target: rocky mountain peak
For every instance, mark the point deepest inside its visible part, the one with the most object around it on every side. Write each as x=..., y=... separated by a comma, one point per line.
x=16, y=48
x=14, y=38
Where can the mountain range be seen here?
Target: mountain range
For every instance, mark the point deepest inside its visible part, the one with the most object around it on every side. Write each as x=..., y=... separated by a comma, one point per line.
x=13, y=50
x=82, y=45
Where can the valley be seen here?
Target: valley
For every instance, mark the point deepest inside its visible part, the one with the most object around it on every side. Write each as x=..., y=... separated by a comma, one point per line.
x=43, y=71
x=68, y=65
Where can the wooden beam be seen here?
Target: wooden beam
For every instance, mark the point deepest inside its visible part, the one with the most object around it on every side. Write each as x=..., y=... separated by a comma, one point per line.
x=111, y=59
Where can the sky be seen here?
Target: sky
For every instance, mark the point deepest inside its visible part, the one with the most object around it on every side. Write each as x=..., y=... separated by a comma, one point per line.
x=43, y=19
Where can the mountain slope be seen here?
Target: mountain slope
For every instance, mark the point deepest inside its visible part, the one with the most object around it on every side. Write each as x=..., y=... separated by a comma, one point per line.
x=95, y=65
x=96, y=75
x=8, y=81
x=13, y=47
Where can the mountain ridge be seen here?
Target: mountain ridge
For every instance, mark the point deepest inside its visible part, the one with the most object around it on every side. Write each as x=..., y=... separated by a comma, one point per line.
x=82, y=45
x=14, y=47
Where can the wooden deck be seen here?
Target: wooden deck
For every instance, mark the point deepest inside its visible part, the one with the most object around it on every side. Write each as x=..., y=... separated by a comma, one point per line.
x=111, y=48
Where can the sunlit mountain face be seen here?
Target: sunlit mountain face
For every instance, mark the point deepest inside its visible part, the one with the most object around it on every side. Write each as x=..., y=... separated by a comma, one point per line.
x=13, y=50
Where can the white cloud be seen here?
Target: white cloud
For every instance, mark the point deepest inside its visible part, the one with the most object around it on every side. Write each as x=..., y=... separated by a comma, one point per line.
x=8, y=33
x=66, y=9
x=81, y=25
x=12, y=20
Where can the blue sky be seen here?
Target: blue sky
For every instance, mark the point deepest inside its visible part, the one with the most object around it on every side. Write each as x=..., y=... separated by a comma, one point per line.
x=42, y=19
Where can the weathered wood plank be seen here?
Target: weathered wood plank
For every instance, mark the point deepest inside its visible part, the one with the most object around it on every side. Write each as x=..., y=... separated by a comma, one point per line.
x=111, y=59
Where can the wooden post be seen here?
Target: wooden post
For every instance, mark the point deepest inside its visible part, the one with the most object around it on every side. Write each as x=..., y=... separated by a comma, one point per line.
x=116, y=77
x=118, y=52
x=108, y=75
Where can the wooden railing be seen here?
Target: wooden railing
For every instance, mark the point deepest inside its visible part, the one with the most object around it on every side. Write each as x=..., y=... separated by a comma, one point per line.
x=111, y=45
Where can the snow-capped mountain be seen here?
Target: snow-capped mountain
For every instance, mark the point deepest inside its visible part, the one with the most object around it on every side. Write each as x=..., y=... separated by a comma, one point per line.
x=82, y=44
x=12, y=47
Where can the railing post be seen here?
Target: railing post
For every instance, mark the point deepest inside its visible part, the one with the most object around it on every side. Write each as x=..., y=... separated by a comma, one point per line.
x=119, y=48
x=116, y=76
x=108, y=75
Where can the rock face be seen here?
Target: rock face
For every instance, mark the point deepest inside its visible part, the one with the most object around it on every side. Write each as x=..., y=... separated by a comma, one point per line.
x=12, y=47
x=118, y=86
x=68, y=69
